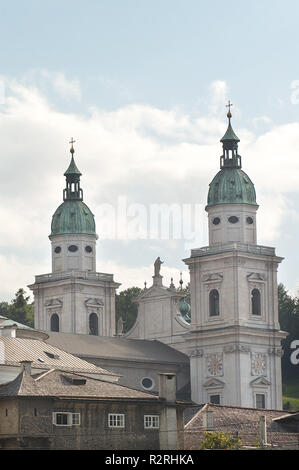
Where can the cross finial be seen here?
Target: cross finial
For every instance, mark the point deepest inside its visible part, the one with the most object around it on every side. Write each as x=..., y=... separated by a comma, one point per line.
x=229, y=105
x=72, y=147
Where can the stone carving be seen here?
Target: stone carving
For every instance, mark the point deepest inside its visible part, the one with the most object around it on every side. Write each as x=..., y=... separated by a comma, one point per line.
x=157, y=266
x=215, y=364
x=258, y=364
x=196, y=353
x=276, y=351
x=53, y=303
x=212, y=277
x=255, y=277
x=230, y=348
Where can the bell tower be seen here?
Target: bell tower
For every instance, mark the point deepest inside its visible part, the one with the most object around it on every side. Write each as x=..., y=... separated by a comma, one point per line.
x=74, y=297
x=234, y=341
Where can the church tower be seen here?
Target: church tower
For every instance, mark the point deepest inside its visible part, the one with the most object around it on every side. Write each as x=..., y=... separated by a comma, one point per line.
x=74, y=298
x=234, y=341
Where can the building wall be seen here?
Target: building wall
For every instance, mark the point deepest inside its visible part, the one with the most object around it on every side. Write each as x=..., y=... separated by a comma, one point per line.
x=36, y=429
x=132, y=372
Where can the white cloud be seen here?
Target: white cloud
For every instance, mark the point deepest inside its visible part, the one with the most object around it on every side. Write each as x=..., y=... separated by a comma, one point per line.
x=146, y=153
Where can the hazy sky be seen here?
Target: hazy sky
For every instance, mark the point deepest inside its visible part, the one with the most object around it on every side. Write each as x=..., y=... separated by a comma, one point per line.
x=142, y=87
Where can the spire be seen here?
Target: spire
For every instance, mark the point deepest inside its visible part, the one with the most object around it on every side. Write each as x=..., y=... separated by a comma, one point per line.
x=72, y=174
x=230, y=157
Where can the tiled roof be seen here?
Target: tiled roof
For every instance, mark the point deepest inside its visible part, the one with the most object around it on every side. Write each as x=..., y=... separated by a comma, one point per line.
x=234, y=417
x=58, y=383
x=43, y=356
x=117, y=348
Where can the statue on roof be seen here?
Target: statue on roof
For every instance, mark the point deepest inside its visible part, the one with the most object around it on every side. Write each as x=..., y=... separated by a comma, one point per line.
x=157, y=266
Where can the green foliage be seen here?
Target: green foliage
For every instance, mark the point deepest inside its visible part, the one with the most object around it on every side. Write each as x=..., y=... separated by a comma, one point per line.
x=126, y=309
x=220, y=440
x=19, y=309
x=288, y=308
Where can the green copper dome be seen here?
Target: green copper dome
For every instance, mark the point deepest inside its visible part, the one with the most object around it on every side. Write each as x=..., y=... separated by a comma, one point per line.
x=73, y=215
x=231, y=185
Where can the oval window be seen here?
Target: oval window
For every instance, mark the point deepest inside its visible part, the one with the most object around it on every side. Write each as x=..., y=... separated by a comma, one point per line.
x=88, y=249
x=249, y=220
x=72, y=248
x=57, y=249
x=216, y=221
x=233, y=219
x=147, y=383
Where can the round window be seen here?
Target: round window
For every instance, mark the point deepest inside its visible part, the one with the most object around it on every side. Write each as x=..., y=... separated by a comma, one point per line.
x=57, y=249
x=147, y=383
x=233, y=219
x=72, y=248
x=216, y=221
x=249, y=220
x=88, y=249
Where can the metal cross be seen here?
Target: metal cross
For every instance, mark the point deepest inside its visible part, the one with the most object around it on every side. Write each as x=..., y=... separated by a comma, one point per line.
x=229, y=105
x=72, y=147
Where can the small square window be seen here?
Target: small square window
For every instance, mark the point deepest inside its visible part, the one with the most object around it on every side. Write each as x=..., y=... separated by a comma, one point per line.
x=151, y=422
x=260, y=400
x=66, y=419
x=116, y=420
x=215, y=399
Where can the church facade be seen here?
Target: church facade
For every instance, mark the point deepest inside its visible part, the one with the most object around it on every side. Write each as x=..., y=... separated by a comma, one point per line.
x=233, y=339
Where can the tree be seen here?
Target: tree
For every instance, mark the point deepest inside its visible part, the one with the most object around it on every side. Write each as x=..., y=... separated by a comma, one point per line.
x=220, y=440
x=20, y=309
x=288, y=308
x=125, y=307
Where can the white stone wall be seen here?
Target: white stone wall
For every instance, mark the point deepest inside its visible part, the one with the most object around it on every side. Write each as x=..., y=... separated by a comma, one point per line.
x=81, y=259
x=223, y=232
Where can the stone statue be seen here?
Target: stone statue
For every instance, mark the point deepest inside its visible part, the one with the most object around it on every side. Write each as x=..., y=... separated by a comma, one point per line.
x=120, y=326
x=157, y=266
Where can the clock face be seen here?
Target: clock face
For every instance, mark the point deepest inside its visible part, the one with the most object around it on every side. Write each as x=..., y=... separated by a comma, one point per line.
x=258, y=363
x=215, y=364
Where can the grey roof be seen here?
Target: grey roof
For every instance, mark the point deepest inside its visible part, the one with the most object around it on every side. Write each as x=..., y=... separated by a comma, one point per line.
x=235, y=417
x=117, y=348
x=57, y=383
x=43, y=356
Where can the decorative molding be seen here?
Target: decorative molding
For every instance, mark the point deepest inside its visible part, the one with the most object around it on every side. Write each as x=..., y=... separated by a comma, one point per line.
x=236, y=347
x=256, y=277
x=276, y=351
x=94, y=302
x=54, y=303
x=215, y=277
x=258, y=363
x=214, y=364
x=214, y=383
x=260, y=381
x=196, y=353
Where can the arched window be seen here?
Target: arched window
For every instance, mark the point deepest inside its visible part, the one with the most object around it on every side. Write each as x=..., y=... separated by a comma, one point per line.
x=93, y=324
x=214, y=303
x=54, y=322
x=255, y=302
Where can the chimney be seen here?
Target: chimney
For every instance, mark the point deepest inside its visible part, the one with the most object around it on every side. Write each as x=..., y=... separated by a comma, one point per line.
x=26, y=366
x=167, y=387
x=9, y=331
x=168, y=433
x=207, y=420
